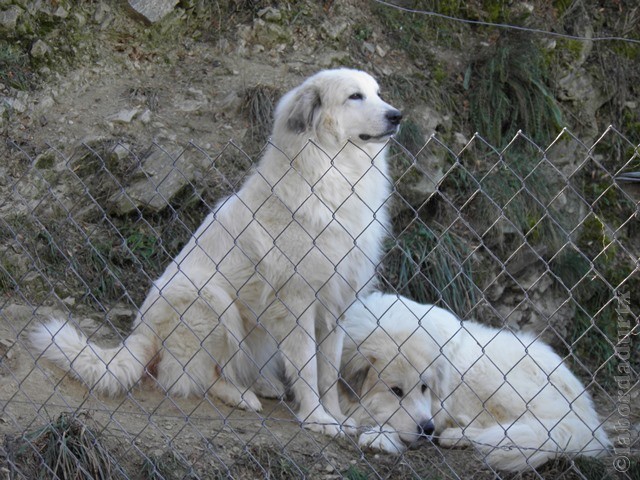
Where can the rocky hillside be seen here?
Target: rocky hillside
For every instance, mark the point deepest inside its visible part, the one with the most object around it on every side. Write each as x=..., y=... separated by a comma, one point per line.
x=136, y=108
x=98, y=99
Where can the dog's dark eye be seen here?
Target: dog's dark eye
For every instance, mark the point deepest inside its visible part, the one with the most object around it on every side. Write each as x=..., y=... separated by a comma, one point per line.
x=356, y=96
x=398, y=392
x=424, y=388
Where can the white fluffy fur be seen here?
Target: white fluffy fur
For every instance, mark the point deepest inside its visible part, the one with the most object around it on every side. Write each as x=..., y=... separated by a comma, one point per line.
x=263, y=280
x=506, y=393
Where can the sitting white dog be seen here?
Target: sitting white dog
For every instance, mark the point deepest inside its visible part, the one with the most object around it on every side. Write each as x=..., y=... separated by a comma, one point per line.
x=413, y=371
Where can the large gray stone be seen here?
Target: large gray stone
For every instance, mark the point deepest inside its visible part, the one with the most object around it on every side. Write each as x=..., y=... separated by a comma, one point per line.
x=9, y=18
x=164, y=175
x=151, y=11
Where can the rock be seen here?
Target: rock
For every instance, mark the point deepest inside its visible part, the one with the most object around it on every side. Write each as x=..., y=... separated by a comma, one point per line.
x=145, y=117
x=9, y=18
x=231, y=103
x=101, y=13
x=459, y=141
x=40, y=49
x=17, y=103
x=192, y=101
x=123, y=116
x=121, y=317
x=6, y=344
x=368, y=48
x=333, y=29
x=431, y=121
x=60, y=12
x=270, y=14
x=120, y=152
x=580, y=87
x=69, y=301
x=165, y=175
x=430, y=175
x=151, y=11
x=416, y=183
x=46, y=102
x=269, y=34
x=80, y=19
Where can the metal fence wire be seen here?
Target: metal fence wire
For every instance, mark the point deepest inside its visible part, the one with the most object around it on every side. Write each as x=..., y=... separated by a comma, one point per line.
x=519, y=238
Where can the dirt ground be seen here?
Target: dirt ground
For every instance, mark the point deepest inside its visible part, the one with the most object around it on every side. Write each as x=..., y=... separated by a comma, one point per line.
x=213, y=439
x=200, y=438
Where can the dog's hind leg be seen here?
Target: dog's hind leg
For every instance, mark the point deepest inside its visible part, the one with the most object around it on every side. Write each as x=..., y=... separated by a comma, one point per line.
x=201, y=353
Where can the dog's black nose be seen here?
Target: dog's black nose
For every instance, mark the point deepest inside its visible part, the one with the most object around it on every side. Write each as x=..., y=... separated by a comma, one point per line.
x=426, y=429
x=394, y=116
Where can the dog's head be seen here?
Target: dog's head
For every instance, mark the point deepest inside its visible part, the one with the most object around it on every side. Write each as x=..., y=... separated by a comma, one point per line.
x=394, y=364
x=393, y=377
x=335, y=107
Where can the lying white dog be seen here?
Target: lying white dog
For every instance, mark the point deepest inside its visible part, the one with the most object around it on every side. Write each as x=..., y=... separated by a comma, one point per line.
x=419, y=371
x=270, y=270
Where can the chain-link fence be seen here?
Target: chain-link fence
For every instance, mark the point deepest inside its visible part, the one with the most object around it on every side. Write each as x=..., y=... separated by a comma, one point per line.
x=542, y=239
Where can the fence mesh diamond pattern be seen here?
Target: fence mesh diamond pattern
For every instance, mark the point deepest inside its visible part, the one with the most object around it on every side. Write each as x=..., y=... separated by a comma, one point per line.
x=524, y=237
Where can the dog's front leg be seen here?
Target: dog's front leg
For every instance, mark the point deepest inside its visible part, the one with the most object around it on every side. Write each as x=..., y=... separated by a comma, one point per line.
x=330, y=351
x=382, y=438
x=299, y=353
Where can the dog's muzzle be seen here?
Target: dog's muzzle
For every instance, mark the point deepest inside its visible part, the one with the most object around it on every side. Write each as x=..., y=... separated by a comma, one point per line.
x=426, y=429
x=393, y=118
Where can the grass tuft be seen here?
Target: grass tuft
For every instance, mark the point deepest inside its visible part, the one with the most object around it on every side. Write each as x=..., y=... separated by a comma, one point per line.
x=508, y=92
x=15, y=68
x=168, y=465
x=432, y=265
x=258, y=104
x=65, y=448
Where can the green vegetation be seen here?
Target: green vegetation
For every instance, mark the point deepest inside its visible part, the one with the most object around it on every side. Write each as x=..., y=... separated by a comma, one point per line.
x=8, y=277
x=15, y=68
x=597, y=273
x=583, y=468
x=354, y=473
x=167, y=465
x=508, y=92
x=521, y=186
x=407, y=30
x=65, y=448
x=265, y=461
x=431, y=264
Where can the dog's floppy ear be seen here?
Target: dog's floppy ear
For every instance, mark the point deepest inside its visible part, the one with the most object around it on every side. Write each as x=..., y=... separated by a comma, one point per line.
x=353, y=376
x=302, y=108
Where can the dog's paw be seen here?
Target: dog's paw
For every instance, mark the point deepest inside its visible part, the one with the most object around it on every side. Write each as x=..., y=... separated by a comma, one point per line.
x=453, y=438
x=249, y=401
x=349, y=426
x=234, y=396
x=388, y=442
x=322, y=422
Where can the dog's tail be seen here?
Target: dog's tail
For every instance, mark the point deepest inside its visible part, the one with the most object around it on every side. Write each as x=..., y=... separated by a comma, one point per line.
x=531, y=444
x=105, y=370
